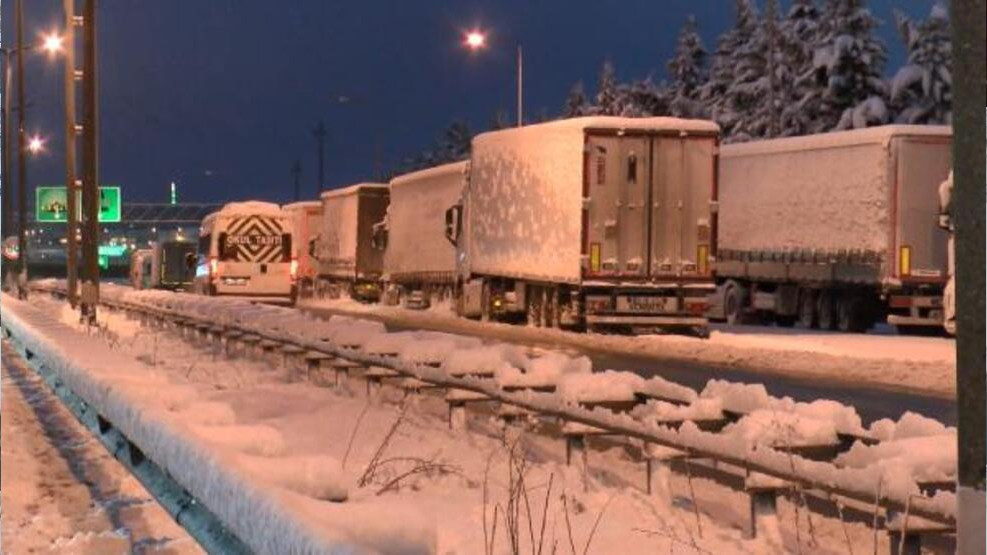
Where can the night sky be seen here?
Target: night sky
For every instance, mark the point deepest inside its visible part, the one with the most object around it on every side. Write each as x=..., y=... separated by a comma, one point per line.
x=221, y=96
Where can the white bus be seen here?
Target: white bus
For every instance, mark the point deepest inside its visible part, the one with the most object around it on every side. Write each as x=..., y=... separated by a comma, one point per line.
x=245, y=251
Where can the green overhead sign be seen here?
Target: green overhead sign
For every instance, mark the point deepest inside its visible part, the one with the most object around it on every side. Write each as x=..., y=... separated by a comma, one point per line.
x=51, y=205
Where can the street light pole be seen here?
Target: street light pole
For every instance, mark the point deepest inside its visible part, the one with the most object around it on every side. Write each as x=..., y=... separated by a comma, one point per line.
x=296, y=173
x=21, y=158
x=320, y=138
x=71, y=182
x=520, y=86
x=90, y=154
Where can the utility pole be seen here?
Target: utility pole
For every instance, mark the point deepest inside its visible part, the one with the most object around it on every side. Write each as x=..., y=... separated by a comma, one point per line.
x=90, y=181
x=71, y=180
x=320, y=138
x=7, y=190
x=296, y=173
x=967, y=209
x=21, y=158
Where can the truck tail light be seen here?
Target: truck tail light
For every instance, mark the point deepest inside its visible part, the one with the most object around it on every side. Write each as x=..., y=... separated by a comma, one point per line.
x=293, y=269
x=594, y=257
x=213, y=267
x=695, y=305
x=900, y=301
x=905, y=260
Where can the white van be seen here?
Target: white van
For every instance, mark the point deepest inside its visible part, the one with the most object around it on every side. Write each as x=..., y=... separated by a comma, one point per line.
x=245, y=251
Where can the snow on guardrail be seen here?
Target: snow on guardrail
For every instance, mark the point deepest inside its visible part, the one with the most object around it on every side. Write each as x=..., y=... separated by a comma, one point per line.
x=273, y=504
x=764, y=435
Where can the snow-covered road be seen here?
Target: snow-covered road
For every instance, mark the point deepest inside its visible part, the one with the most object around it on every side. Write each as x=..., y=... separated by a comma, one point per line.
x=880, y=374
x=62, y=491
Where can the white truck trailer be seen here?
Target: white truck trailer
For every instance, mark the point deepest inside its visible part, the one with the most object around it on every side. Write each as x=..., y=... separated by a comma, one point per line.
x=245, y=251
x=306, y=220
x=834, y=231
x=419, y=263
x=347, y=259
x=595, y=221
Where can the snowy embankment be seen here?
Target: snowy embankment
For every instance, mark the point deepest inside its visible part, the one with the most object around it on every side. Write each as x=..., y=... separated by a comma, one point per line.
x=254, y=497
x=767, y=429
x=920, y=365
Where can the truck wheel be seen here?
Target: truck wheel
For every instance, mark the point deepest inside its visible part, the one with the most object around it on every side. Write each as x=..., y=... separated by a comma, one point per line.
x=826, y=310
x=732, y=306
x=850, y=313
x=785, y=320
x=807, y=309
x=555, y=321
x=534, y=306
x=485, y=302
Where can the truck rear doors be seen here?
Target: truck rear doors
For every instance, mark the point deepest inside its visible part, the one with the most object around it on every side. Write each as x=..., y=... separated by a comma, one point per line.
x=647, y=216
x=922, y=164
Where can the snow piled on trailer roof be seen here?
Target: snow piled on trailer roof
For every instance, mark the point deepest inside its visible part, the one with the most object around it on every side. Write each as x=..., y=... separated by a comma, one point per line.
x=868, y=135
x=251, y=207
x=611, y=122
x=303, y=205
x=353, y=189
x=436, y=171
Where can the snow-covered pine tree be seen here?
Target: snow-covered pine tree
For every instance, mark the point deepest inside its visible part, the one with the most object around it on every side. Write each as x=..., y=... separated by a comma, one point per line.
x=456, y=141
x=607, y=101
x=688, y=73
x=851, y=59
x=720, y=95
x=576, y=104
x=453, y=145
x=754, y=93
x=641, y=98
x=500, y=121
x=921, y=91
x=800, y=93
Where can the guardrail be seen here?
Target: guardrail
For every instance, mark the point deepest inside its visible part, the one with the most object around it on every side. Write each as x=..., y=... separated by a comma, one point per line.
x=221, y=507
x=783, y=464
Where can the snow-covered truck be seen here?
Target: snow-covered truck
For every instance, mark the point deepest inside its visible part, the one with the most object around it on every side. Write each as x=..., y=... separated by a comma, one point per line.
x=835, y=231
x=419, y=263
x=245, y=250
x=173, y=262
x=347, y=258
x=306, y=220
x=595, y=221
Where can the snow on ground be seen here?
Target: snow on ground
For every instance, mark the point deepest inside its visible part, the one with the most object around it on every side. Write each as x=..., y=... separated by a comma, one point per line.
x=922, y=365
x=62, y=491
x=458, y=480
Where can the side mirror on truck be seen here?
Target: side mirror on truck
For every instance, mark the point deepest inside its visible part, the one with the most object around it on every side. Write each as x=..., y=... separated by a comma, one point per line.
x=454, y=223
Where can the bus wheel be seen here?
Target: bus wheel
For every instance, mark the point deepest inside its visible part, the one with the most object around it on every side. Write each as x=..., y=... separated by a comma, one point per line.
x=826, y=310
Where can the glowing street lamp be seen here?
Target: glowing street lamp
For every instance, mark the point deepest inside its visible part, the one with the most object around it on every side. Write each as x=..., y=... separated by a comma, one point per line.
x=35, y=144
x=52, y=43
x=475, y=40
